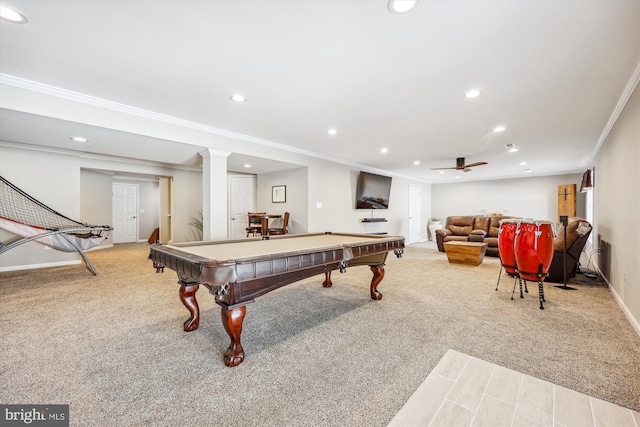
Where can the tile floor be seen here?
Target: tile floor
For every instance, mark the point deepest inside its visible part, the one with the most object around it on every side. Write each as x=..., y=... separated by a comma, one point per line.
x=465, y=391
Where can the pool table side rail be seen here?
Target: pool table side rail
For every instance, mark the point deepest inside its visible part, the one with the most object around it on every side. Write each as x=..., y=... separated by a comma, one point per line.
x=184, y=264
x=249, y=278
x=191, y=265
x=257, y=278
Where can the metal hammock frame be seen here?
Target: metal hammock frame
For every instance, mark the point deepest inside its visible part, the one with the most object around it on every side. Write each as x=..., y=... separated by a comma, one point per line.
x=18, y=207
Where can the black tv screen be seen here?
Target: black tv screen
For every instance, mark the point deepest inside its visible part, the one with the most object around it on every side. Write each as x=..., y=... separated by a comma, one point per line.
x=373, y=191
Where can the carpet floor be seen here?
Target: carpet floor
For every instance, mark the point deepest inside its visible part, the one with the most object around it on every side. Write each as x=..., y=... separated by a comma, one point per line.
x=112, y=346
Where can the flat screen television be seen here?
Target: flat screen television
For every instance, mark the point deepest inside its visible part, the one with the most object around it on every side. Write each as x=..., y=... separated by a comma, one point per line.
x=373, y=191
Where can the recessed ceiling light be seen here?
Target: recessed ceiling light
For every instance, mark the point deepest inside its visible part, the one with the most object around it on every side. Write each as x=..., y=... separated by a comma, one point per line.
x=384, y=150
x=472, y=93
x=79, y=139
x=457, y=177
x=513, y=150
x=512, y=147
x=441, y=171
x=12, y=15
x=417, y=162
x=399, y=7
x=332, y=131
x=237, y=98
x=523, y=163
x=527, y=170
x=247, y=165
x=499, y=129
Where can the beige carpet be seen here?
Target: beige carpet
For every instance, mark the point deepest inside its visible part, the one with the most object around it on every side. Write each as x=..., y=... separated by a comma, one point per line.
x=112, y=345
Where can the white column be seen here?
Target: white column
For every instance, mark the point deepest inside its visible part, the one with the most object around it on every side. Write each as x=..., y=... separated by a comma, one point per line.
x=215, y=214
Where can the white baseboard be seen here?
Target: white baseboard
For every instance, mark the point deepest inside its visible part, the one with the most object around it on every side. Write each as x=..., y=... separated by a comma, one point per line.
x=53, y=264
x=32, y=266
x=634, y=322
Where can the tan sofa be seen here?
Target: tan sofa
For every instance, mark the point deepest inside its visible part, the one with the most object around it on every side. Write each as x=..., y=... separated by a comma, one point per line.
x=471, y=228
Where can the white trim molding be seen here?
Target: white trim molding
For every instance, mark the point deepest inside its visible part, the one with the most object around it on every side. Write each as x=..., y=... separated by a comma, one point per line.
x=61, y=93
x=624, y=98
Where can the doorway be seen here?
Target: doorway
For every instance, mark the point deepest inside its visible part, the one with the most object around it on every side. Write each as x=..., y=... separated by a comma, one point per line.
x=125, y=212
x=415, y=213
x=242, y=199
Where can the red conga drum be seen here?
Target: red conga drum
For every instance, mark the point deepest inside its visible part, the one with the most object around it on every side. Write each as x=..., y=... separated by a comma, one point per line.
x=506, y=240
x=534, y=249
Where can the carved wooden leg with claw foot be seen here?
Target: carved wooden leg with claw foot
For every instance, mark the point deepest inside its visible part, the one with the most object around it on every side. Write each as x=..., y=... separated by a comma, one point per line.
x=232, y=319
x=188, y=298
x=327, y=279
x=378, y=275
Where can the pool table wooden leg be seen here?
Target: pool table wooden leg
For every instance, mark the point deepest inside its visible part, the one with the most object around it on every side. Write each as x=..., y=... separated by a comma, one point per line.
x=378, y=275
x=232, y=319
x=188, y=298
x=327, y=279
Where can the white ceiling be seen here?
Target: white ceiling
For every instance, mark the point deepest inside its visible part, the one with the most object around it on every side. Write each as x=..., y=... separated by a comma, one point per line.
x=552, y=72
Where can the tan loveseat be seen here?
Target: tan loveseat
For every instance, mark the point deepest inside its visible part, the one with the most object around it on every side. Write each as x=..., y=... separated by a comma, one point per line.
x=471, y=228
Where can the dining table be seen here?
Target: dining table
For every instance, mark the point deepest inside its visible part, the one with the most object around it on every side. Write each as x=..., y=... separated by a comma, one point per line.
x=265, y=220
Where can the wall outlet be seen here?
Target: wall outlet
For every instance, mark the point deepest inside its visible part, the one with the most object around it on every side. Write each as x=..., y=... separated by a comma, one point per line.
x=626, y=275
x=319, y=205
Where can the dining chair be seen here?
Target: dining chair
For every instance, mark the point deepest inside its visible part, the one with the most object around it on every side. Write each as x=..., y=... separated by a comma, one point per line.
x=283, y=229
x=255, y=223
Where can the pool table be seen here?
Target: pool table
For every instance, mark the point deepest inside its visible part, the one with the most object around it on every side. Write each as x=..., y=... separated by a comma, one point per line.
x=237, y=271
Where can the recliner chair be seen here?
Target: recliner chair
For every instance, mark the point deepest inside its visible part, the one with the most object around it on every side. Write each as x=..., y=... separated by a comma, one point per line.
x=578, y=231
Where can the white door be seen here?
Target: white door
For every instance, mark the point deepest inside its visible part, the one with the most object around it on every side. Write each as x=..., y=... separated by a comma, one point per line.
x=415, y=213
x=125, y=213
x=242, y=195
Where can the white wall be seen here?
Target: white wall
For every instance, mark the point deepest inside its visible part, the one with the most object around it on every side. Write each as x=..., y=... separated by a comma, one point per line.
x=334, y=187
x=51, y=178
x=331, y=184
x=616, y=208
x=73, y=185
x=95, y=199
x=531, y=197
x=297, y=196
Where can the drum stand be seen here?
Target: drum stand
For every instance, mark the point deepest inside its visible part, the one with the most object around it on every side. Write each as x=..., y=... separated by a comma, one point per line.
x=518, y=278
x=540, y=275
x=515, y=279
x=564, y=220
x=499, y=275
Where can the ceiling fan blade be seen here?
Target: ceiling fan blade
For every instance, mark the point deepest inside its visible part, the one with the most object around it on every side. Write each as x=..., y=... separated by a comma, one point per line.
x=476, y=164
x=461, y=166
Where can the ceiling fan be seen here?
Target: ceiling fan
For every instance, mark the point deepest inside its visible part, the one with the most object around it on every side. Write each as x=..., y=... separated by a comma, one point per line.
x=460, y=165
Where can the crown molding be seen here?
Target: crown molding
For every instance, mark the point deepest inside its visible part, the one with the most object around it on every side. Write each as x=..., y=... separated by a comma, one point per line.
x=212, y=152
x=46, y=89
x=101, y=157
x=622, y=102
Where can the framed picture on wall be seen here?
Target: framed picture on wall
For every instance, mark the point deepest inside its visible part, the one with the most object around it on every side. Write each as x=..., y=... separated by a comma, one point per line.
x=279, y=194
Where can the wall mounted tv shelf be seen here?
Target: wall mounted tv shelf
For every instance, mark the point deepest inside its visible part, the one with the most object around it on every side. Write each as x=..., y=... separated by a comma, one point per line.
x=374, y=220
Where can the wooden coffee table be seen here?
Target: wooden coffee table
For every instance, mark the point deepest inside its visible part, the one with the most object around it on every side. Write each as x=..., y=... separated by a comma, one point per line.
x=468, y=253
